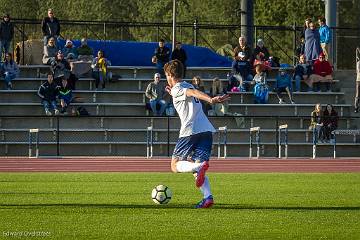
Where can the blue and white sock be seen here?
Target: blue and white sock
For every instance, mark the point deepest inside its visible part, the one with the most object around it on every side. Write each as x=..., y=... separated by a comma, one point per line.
x=205, y=188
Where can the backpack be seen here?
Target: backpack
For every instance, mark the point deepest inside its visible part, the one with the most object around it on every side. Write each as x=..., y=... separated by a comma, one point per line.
x=261, y=93
x=82, y=111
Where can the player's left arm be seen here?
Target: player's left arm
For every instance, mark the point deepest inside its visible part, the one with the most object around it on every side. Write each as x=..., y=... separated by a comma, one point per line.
x=203, y=96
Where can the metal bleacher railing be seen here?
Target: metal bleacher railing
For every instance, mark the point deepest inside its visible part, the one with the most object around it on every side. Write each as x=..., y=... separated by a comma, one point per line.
x=156, y=136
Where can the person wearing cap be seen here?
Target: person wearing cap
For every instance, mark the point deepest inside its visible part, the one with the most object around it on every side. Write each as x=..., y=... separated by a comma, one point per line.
x=50, y=27
x=241, y=70
x=242, y=47
x=322, y=73
x=6, y=33
x=283, y=84
x=155, y=92
x=261, y=52
x=69, y=51
x=179, y=54
x=50, y=52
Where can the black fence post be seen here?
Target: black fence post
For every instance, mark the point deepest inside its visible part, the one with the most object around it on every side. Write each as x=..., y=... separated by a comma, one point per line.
x=277, y=135
x=168, y=136
x=23, y=43
x=294, y=42
x=57, y=136
x=195, y=35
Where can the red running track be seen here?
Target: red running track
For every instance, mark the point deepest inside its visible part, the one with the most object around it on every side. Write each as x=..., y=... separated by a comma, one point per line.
x=141, y=164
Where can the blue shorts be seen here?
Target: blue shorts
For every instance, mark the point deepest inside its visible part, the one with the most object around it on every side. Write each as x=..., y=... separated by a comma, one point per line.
x=199, y=145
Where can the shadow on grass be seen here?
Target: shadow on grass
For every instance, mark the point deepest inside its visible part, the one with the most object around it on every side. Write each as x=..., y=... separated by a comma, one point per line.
x=184, y=206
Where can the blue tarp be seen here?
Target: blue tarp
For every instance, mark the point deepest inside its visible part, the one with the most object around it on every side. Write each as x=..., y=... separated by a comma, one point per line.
x=123, y=53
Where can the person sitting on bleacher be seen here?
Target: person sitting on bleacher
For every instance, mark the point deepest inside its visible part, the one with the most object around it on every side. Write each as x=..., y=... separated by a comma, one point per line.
x=317, y=122
x=50, y=51
x=302, y=72
x=261, y=90
x=65, y=95
x=155, y=91
x=100, y=72
x=61, y=69
x=49, y=92
x=241, y=70
x=330, y=122
x=217, y=89
x=84, y=51
x=10, y=70
x=242, y=47
x=322, y=71
x=69, y=51
x=261, y=50
x=283, y=84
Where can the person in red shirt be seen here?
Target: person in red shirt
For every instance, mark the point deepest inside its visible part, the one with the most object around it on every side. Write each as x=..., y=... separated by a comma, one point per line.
x=322, y=73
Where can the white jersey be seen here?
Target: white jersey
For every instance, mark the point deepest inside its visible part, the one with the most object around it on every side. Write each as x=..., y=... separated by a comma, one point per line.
x=193, y=118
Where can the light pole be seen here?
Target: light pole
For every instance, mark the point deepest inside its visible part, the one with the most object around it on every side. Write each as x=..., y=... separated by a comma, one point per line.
x=174, y=25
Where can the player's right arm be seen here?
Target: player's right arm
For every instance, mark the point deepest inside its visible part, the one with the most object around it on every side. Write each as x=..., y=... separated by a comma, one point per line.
x=203, y=96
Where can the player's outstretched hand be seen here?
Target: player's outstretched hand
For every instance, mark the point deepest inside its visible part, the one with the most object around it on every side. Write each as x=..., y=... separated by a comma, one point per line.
x=219, y=99
x=168, y=89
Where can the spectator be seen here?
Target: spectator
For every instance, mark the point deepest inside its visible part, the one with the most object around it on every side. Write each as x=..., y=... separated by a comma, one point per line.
x=61, y=69
x=6, y=34
x=302, y=72
x=50, y=51
x=306, y=26
x=242, y=47
x=300, y=50
x=357, y=91
x=261, y=90
x=312, y=43
x=317, y=122
x=65, y=95
x=155, y=91
x=241, y=70
x=48, y=92
x=197, y=83
x=325, y=38
x=330, y=122
x=84, y=50
x=100, y=71
x=219, y=109
x=283, y=84
x=162, y=54
x=50, y=27
x=261, y=52
x=322, y=71
x=10, y=70
x=69, y=51
x=180, y=54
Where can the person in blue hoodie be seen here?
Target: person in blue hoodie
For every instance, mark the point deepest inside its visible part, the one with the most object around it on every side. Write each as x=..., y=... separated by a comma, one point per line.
x=325, y=37
x=283, y=84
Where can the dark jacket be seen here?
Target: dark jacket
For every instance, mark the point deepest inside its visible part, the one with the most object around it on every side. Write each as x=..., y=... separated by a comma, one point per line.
x=330, y=118
x=179, y=54
x=162, y=54
x=263, y=50
x=245, y=50
x=241, y=67
x=48, y=92
x=50, y=28
x=61, y=67
x=6, y=31
x=302, y=69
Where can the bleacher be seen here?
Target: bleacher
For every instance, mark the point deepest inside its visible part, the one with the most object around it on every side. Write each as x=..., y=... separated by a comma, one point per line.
x=118, y=121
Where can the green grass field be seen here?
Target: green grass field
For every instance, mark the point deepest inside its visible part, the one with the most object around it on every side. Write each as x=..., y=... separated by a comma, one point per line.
x=119, y=206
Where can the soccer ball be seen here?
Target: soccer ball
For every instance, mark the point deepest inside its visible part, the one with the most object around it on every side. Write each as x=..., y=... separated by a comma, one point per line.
x=161, y=194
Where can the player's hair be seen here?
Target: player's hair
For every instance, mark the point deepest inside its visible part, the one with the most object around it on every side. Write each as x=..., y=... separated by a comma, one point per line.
x=174, y=68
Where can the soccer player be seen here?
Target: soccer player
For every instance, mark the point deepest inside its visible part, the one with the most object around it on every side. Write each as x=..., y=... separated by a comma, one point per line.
x=196, y=130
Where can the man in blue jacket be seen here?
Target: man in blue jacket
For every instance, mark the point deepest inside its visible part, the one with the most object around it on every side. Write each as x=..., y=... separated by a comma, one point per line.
x=325, y=38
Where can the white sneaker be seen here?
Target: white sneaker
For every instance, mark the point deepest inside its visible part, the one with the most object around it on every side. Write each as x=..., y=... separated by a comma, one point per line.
x=292, y=102
x=48, y=113
x=281, y=101
x=57, y=112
